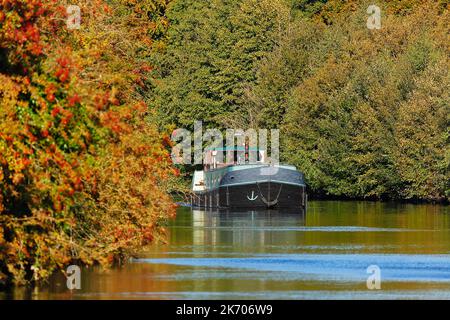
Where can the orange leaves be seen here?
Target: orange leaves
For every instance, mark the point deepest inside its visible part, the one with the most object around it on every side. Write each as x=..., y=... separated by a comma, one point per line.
x=20, y=30
x=176, y=172
x=64, y=114
x=56, y=110
x=101, y=101
x=112, y=120
x=167, y=142
x=62, y=74
x=50, y=92
x=45, y=133
x=8, y=139
x=148, y=236
x=31, y=33
x=74, y=100
x=78, y=157
x=146, y=68
x=63, y=71
x=63, y=62
x=67, y=117
x=17, y=178
x=77, y=183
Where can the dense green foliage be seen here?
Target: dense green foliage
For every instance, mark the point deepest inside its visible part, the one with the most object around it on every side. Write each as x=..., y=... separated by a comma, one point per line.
x=364, y=113
x=213, y=49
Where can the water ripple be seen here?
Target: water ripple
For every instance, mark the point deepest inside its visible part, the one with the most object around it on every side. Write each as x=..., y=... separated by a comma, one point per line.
x=323, y=267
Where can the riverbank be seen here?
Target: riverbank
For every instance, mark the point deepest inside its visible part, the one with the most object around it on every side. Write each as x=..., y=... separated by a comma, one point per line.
x=182, y=195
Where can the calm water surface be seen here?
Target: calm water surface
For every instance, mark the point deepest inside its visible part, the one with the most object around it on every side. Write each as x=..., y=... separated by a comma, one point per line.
x=321, y=254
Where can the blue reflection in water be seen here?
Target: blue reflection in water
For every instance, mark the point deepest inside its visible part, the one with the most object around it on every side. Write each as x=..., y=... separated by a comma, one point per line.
x=293, y=295
x=337, y=267
x=311, y=229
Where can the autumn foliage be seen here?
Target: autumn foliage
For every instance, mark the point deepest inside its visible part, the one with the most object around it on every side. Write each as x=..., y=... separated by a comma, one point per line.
x=82, y=167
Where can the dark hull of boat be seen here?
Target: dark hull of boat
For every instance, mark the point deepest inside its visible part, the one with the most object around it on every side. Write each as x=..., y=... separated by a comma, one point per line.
x=253, y=195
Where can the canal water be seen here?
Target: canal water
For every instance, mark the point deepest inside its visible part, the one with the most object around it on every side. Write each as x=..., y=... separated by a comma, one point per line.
x=328, y=252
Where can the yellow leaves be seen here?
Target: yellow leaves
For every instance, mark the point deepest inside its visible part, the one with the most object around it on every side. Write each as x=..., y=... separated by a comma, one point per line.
x=18, y=178
x=9, y=91
x=130, y=182
x=77, y=155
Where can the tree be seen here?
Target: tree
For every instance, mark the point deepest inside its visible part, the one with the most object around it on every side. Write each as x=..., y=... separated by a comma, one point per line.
x=82, y=169
x=343, y=117
x=422, y=133
x=210, y=57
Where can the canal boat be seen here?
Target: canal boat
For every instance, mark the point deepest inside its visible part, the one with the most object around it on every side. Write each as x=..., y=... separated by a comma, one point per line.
x=241, y=184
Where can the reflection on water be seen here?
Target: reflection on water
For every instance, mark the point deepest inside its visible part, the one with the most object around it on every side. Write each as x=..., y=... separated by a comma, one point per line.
x=323, y=253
